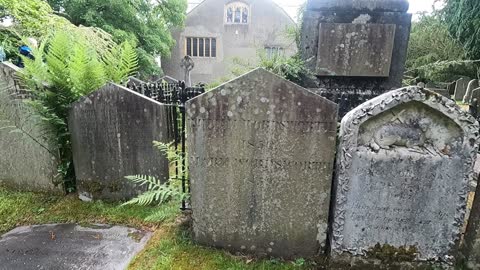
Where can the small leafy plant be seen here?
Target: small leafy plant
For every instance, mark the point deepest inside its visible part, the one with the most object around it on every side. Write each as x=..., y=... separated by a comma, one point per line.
x=159, y=193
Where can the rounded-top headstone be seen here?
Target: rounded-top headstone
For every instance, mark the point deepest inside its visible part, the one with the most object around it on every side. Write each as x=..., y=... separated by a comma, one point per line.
x=371, y=5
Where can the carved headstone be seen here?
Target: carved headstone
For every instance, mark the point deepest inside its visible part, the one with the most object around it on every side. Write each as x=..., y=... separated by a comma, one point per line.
x=472, y=85
x=28, y=152
x=257, y=185
x=357, y=48
x=461, y=88
x=112, y=132
x=405, y=160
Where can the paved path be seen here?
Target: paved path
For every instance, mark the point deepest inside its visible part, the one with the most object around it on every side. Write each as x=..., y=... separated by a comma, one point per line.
x=70, y=246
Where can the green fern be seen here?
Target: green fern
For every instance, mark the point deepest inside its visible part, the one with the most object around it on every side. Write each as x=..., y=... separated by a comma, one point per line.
x=159, y=193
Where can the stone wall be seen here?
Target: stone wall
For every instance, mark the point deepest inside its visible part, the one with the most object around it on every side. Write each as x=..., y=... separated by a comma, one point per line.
x=28, y=158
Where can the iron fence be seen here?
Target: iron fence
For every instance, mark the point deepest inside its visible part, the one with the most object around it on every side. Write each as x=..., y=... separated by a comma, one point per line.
x=175, y=95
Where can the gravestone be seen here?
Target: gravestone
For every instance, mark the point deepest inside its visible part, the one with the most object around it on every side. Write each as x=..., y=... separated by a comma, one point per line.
x=451, y=88
x=405, y=160
x=112, y=133
x=356, y=48
x=440, y=91
x=461, y=88
x=261, y=153
x=475, y=103
x=28, y=152
x=472, y=85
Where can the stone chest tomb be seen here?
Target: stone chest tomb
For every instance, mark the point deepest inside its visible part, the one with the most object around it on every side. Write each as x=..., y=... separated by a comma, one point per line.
x=356, y=48
x=404, y=163
x=261, y=153
x=113, y=130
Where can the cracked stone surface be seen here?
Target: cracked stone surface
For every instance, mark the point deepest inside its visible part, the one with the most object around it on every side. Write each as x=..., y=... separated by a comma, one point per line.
x=70, y=246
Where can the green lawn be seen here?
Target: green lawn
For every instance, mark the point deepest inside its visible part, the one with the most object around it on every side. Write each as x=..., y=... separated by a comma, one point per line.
x=170, y=247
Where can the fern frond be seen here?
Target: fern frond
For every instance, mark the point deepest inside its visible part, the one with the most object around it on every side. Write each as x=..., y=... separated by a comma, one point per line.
x=57, y=58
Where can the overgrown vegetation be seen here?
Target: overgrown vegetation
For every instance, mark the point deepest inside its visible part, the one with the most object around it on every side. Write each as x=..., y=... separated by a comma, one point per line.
x=68, y=65
x=145, y=24
x=159, y=193
x=433, y=54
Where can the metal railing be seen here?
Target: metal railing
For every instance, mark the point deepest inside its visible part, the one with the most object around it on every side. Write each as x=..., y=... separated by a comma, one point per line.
x=176, y=95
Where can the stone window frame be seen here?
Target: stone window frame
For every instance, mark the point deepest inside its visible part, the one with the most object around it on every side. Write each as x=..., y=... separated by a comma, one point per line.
x=243, y=12
x=271, y=51
x=201, y=47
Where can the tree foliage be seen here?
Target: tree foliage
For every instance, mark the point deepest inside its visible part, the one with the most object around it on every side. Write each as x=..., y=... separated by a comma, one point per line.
x=144, y=23
x=433, y=54
x=463, y=20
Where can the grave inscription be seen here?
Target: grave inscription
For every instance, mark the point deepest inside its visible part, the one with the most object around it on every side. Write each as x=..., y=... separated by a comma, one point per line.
x=261, y=153
x=113, y=130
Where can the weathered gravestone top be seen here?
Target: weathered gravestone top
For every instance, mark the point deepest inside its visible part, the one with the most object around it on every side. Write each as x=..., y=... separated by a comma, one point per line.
x=404, y=163
x=356, y=48
x=370, y=5
x=461, y=88
x=472, y=85
x=261, y=153
x=113, y=130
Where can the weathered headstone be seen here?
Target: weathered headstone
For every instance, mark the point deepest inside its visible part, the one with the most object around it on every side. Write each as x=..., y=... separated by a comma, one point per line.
x=472, y=85
x=404, y=163
x=461, y=88
x=451, y=88
x=113, y=130
x=28, y=153
x=261, y=153
x=440, y=91
x=356, y=48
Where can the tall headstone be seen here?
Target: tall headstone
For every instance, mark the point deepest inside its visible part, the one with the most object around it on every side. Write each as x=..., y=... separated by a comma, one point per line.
x=461, y=88
x=405, y=160
x=356, y=48
x=472, y=85
x=261, y=153
x=28, y=152
x=112, y=133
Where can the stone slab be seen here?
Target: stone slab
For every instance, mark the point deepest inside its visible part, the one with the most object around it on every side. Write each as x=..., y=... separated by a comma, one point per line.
x=461, y=88
x=28, y=153
x=397, y=157
x=472, y=85
x=355, y=50
x=261, y=153
x=70, y=246
x=368, y=5
x=113, y=130
x=440, y=91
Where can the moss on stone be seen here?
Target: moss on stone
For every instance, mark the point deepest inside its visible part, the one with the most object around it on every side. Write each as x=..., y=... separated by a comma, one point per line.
x=388, y=253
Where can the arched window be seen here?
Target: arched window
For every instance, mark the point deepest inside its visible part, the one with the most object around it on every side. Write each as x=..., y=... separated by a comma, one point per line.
x=237, y=13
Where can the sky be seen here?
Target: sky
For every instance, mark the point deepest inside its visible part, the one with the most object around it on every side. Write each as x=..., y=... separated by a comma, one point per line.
x=291, y=6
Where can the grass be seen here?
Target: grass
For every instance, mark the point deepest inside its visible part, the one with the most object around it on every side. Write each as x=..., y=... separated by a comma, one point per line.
x=170, y=248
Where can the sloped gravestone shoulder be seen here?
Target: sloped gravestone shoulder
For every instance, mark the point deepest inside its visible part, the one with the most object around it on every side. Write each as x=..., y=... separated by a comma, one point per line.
x=404, y=163
x=112, y=133
x=261, y=153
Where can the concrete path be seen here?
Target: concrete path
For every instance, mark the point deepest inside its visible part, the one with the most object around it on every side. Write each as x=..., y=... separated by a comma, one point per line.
x=70, y=246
